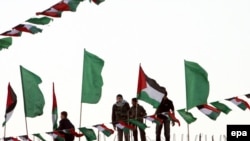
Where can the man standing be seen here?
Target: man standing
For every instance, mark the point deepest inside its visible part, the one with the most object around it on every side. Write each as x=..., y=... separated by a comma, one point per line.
x=137, y=112
x=66, y=124
x=120, y=113
x=165, y=106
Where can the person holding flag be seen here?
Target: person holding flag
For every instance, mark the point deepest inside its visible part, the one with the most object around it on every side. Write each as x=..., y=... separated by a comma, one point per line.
x=65, y=124
x=165, y=106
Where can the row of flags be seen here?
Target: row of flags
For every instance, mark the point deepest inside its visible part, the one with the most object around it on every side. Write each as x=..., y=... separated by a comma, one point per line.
x=30, y=25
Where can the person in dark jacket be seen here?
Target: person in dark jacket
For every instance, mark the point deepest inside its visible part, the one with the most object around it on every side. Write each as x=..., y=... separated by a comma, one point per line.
x=120, y=113
x=66, y=124
x=137, y=112
x=165, y=106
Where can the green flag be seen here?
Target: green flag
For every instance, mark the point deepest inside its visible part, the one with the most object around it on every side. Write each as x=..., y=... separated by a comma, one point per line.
x=32, y=95
x=92, y=79
x=89, y=133
x=197, y=85
x=39, y=136
x=187, y=116
x=40, y=21
x=5, y=43
x=138, y=123
x=222, y=107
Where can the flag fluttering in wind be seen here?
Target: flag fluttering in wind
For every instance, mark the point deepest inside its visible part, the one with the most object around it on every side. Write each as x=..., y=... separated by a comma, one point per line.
x=56, y=135
x=89, y=133
x=172, y=117
x=104, y=129
x=24, y=138
x=11, y=139
x=124, y=126
x=67, y=5
x=5, y=43
x=72, y=132
x=242, y=104
x=209, y=111
x=222, y=107
x=92, y=81
x=149, y=90
x=197, y=85
x=13, y=33
x=154, y=119
x=51, y=12
x=39, y=136
x=54, y=109
x=33, y=98
x=187, y=116
x=10, y=104
x=27, y=28
x=40, y=21
x=137, y=123
x=247, y=95
x=97, y=1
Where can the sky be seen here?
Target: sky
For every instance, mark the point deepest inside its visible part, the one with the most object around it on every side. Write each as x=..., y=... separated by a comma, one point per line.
x=157, y=34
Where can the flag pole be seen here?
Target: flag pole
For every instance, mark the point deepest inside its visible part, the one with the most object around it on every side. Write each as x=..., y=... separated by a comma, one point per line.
x=4, y=131
x=24, y=103
x=80, y=122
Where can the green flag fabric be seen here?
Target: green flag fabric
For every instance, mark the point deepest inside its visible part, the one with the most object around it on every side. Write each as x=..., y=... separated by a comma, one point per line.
x=222, y=107
x=33, y=98
x=40, y=21
x=89, y=133
x=138, y=123
x=187, y=116
x=197, y=85
x=92, y=79
x=5, y=43
x=39, y=136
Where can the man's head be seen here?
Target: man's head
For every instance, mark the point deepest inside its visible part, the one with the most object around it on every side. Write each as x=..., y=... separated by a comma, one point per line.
x=64, y=115
x=134, y=101
x=119, y=98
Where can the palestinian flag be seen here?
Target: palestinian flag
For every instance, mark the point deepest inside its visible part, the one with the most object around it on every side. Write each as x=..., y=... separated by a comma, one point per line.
x=89, y=133
x=154, y=119
x=138, y=123
x=222, y=107
x=5, y=43
x=242, y=104
x=124, y=126
x=13, y=32
x=28, y=28
x=10, y=104
x=97, y=1
x=25, y=138
x=39, y=136
x=172, y=117
x=187, y=116
x=56, y=135
x=105, y=130
x=52, y=12
x=148, y=90
x=209, y=111
x=247, y=95
x=41, y=21
x=10, y=139
x=66, y=5
x=72, y=132
x=54, y=110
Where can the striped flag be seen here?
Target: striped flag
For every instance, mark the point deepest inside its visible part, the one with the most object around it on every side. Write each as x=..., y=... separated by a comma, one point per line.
x=54, y=110
x=104, y=129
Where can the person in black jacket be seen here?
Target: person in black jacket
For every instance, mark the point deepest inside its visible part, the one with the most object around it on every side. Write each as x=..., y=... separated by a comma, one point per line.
x=66, y=124
x=120, y=113
x=165, y=106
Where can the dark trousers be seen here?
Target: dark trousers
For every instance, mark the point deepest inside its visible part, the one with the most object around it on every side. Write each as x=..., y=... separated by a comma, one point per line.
x=142, y=134
x=166, y=124
x=120, y=135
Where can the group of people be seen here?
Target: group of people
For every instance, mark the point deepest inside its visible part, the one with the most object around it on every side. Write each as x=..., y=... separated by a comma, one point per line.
x=121, y=111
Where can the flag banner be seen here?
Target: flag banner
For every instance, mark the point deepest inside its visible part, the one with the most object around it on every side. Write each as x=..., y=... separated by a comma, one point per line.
x=56, y=135
x=5, y=43
x=11, y=139
x=172, y=117
x=97, y=1
x=72, y=132
x=104, y=129
x=242, y=104
x=33, y=98
x=209, y=111
x=51, y=12
x=149, y=90
x=27, y=28
x=40, y=21
x=24, y=138
x=187, y=116
x=222, y=107
x=137, y=123
x=13, y=33
x=39, y=136
x=89, y=133
x=124, y=126
x=197, y=85
x=92, y=81
x=154, y=119
x=54, y=109
x=10, y=104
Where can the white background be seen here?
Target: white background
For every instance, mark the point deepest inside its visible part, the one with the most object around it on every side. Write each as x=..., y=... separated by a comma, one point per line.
x=159, y=34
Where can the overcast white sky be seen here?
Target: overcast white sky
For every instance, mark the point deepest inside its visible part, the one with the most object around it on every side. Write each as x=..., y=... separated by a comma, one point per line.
x=158, y=34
